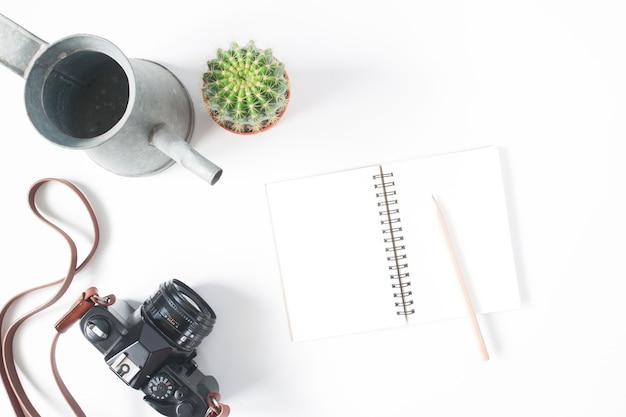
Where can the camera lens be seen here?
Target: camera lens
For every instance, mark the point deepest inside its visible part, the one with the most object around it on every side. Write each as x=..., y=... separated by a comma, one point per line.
x=180, y=314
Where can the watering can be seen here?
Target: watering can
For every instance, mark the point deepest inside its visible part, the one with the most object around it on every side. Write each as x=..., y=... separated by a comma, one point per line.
x=133, y=117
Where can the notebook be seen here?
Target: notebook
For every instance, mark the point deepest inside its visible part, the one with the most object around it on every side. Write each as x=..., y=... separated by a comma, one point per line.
x=362, y=249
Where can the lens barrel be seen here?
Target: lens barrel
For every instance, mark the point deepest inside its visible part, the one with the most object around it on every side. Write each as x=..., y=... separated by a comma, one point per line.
x=180, y=314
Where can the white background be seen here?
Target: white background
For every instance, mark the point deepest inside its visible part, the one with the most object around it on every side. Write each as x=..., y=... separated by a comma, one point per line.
x=545, y=81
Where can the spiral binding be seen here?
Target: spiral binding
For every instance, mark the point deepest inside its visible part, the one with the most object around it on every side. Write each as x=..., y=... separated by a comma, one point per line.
x=393, y=239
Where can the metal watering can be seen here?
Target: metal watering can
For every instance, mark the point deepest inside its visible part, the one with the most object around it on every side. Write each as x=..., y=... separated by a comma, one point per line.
x=133, y=117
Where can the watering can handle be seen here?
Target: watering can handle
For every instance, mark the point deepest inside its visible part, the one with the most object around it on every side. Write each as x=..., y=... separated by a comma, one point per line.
x=18, y=47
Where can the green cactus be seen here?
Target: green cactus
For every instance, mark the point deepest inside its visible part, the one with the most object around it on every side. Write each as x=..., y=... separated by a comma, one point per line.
x=245, y=89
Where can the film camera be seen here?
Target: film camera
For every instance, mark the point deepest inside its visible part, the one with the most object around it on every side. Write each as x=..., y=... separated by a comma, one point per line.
x=152, y=348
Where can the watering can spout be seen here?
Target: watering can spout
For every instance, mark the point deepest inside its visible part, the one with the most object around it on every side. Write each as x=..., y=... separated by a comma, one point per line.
x=179, y=150
x=18, y=47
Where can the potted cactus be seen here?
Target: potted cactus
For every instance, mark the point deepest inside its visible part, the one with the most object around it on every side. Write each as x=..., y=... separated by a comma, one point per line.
x=245, y=90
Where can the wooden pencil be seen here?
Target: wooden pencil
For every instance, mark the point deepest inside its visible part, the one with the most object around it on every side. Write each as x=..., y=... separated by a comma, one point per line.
x=462, y=283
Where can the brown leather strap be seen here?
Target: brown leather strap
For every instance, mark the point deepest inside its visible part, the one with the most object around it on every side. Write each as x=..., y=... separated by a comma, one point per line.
x=88, y=299
x=10, y=378
x=64, y=390
x=216, y=408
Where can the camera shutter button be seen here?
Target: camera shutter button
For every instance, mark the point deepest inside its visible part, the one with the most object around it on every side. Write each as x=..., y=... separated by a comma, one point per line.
x=184, y=409
x=180, y=394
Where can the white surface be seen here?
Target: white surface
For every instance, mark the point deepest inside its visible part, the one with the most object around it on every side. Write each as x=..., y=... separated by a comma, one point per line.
x=542, y=80
x=333, y=256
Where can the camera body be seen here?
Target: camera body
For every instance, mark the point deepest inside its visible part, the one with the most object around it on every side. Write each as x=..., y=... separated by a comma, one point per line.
x=152, y=347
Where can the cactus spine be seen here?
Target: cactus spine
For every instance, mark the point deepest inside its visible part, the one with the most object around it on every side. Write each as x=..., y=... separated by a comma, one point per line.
x=245, y=89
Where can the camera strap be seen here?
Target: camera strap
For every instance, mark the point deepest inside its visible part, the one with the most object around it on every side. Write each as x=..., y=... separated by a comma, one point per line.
x=22, y=406
x=20, y=402
x=87, y=300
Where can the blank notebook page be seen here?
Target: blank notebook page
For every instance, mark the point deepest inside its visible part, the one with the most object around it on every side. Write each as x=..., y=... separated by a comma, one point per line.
x=362, y=249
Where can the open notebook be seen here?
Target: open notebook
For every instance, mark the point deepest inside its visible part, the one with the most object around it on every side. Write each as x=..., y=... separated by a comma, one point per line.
x=362, y=249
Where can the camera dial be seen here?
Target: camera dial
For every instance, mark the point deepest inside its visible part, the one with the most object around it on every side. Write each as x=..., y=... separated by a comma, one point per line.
x=160, y=387
x=97, y=329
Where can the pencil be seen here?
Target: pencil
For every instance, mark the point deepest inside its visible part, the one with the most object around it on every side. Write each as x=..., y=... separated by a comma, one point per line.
x=462, y=284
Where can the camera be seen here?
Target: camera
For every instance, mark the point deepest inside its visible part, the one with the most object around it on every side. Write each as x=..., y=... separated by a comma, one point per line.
x=152, y=347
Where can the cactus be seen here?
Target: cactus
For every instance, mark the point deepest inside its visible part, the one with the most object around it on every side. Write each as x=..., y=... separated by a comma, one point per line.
x=245, y=90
